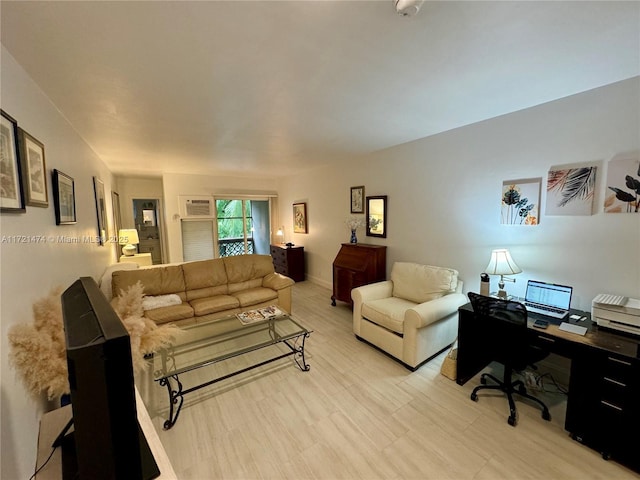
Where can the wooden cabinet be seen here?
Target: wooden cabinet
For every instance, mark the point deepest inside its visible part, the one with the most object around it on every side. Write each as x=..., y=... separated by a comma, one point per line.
x=289, y=261
x=357, y=264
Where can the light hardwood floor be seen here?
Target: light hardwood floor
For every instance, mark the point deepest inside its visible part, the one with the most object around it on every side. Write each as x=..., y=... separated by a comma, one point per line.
x=357, y=414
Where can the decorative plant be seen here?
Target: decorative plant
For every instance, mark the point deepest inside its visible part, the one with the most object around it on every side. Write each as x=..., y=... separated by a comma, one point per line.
x=354, y=223
x=631, y=199
x=38, y=352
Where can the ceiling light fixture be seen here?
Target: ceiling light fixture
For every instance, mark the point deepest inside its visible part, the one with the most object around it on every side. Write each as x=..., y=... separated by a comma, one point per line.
x=407, y=8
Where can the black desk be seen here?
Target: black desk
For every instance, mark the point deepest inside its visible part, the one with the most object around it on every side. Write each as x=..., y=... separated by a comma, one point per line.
x=603, y=405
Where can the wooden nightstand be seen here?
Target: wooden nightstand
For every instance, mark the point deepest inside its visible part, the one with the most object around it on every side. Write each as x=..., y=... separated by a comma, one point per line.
x=142, y=259
x=289, y=261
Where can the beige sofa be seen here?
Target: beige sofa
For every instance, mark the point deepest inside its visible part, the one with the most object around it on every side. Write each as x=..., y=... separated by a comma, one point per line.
x=413, y=316
x=209, y=289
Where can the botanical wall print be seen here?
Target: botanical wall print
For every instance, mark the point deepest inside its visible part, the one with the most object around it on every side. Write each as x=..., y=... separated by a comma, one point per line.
x=11, y=196
x=33, y=170
x=357, y=199
x=300, y=218
x=623, y=185
x=64, y=198
x=570, y=191
x=521, y=202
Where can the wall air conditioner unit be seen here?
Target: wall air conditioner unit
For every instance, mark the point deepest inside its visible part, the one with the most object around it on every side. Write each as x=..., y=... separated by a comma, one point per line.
x=197, y=206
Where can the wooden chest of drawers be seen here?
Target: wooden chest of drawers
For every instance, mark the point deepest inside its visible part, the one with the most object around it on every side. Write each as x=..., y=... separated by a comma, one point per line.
x=289, y=261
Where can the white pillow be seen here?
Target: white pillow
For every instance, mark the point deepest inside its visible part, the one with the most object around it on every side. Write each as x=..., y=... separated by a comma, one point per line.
x=150, y=302
x=422, y=283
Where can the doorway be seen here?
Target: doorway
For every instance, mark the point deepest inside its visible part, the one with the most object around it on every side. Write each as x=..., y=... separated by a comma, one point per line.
x=146, y=216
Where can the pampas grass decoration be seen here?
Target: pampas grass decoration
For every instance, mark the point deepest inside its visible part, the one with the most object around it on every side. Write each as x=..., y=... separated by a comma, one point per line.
x=38, y=352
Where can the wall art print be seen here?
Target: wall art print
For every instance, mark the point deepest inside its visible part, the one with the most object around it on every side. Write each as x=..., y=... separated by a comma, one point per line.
x=570, y=191
x=623, y=185
x=11, y=193
x=520, y=202
x=33, y=170
x=300, y=224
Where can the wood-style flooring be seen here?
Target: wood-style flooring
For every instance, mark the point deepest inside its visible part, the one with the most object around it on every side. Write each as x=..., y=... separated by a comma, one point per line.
x=358, y=414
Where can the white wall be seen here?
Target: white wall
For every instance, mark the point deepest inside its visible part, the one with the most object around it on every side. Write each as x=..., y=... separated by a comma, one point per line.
x=135, y=187
x=30, y=270
x=176, y=184
x=444, y=197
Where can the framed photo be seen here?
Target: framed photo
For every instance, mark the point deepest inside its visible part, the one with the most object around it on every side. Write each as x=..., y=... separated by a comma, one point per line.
x=33, y=168
x=11, y=193
x=64, y=198
x=101, y=210
x=300, y=218
x=115, y=206
x=357, y=199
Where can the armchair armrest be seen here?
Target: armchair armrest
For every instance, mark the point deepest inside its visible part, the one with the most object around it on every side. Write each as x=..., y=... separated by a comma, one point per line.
x=276, y=281
x=429, y=312
x=372, y=291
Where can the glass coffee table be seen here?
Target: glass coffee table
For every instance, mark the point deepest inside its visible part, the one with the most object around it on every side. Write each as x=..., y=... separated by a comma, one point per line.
x=202, y=347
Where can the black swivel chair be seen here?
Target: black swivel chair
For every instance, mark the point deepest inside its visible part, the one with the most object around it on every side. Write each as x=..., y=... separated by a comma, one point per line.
x=506, y=326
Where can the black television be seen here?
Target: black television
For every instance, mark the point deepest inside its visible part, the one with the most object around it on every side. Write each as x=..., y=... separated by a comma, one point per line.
x=107, y=441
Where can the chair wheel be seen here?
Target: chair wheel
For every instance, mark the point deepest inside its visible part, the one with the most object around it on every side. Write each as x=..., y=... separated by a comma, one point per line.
x=511, y=421
x=546, y=415
x=474, y=397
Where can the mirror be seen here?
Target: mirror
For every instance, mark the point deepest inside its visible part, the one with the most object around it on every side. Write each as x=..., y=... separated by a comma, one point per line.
x=377, y=216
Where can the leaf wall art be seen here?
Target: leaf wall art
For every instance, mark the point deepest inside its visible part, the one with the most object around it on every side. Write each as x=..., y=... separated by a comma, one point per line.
x=623, y=185
x=520, y=202
x=571, y=191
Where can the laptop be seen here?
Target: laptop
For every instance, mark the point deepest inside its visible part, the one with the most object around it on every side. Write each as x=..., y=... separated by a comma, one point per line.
x=548, y=299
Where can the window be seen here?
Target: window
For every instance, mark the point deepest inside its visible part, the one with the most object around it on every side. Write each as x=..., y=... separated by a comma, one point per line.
x=235, y=227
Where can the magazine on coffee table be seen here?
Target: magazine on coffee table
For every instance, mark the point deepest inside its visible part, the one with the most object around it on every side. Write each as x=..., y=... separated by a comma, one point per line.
x=259, y=314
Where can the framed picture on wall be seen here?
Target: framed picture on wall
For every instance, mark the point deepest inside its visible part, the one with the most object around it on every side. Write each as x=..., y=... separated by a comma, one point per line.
x=300, y=224
x=101, y=210
x=11, y=193
x=521, y=202
x=33, y=170
x=357, y=199
x=64, y=198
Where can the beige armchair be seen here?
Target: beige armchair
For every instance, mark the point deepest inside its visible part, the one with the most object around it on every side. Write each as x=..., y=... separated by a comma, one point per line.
x=413, y=316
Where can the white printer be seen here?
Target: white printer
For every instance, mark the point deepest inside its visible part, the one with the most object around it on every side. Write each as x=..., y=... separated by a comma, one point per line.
x=617, y=313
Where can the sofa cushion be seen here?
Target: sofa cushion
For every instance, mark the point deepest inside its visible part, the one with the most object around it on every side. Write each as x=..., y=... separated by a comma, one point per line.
x=217, y=303
x=253, y=296
x=204, y=279
x=172, y=313
x=387, y=312
x=156, y=280
x=422, y=283
x=241, y=268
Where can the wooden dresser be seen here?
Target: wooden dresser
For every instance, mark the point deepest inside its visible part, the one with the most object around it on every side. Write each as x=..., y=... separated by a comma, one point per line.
x=357, y=264
x=289, y=261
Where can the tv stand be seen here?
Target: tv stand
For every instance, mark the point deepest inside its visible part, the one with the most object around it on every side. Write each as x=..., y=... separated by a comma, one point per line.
x=52, y=423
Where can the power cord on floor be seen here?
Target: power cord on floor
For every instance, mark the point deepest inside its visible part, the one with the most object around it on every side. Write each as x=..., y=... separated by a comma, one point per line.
x=43, y=465
x=536, y=382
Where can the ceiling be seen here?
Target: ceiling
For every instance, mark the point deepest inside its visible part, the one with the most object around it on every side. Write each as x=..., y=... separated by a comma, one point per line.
x=271, y=88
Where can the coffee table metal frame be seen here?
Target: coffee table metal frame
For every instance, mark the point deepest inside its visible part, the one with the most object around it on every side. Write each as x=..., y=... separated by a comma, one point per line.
x=167, y=372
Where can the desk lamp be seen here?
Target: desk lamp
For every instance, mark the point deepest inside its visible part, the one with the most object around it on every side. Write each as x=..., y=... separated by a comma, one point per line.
x=129, y=238
x=502, y=264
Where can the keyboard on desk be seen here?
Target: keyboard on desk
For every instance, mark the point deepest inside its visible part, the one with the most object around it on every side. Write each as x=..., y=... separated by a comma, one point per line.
x=546, y=310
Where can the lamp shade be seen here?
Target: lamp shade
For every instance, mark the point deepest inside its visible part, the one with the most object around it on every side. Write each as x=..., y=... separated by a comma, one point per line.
x=128, y=236
x=501, y=263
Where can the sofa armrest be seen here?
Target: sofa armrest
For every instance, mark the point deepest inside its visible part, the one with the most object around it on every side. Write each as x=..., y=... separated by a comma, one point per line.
x=276, y=281
x=429, y=312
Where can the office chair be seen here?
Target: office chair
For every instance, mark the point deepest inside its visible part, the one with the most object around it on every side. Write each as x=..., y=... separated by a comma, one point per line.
x=506, y=326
